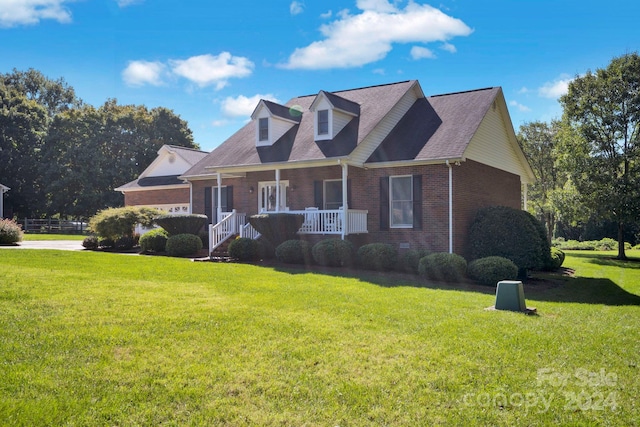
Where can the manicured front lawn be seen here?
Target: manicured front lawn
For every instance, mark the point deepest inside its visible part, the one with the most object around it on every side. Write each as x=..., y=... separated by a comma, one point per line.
x=39, y=236
x=106, y=339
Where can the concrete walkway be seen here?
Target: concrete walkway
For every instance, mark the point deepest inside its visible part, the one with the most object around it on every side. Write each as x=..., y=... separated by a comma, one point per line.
x=63, y=245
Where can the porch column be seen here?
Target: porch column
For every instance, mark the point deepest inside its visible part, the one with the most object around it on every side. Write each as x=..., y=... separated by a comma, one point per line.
x=278, y=190
x=219, y=210
x=345, y=198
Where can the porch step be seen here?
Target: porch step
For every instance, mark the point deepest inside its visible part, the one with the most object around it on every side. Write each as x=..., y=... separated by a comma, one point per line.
x=221, y=253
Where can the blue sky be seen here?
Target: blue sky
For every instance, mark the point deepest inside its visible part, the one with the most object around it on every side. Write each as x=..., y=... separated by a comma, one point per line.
x=210, y=61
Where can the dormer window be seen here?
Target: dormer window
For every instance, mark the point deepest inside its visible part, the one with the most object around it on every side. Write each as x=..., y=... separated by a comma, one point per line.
x=263, y=129
x=323, y=122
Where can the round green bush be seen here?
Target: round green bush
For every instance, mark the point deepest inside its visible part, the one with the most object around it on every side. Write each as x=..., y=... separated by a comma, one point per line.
x=107, y=243
x=244, y=249
x=333, y=253
x=181, y=224
x=490, y=270
x=154, y=240
x=443, y=267
x=377, y=256
x=126, y=242
x=509, y=233
x=410, y=259
x=90, y=243
x=294, y=252
x=557, y=259
x=183, y=244
x=10, y=232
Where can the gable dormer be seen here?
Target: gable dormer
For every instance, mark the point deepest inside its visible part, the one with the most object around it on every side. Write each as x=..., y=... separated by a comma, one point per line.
x=272, y=121
x=331, y=114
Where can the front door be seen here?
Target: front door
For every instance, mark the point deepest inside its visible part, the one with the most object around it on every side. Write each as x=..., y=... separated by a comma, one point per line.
x=267, y=196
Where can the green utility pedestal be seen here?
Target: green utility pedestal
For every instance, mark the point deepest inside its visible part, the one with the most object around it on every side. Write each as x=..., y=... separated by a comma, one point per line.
x=510, y=296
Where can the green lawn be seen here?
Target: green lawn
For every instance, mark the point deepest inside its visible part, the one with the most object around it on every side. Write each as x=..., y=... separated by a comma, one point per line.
x=105, y=339
x=39, y=236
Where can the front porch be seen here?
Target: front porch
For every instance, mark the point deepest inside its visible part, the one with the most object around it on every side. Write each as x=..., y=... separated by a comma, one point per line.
x=338, y=222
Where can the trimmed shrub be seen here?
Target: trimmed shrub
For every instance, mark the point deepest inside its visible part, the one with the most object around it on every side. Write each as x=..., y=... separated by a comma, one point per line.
x=490, y=270
x=126, y=242
x=277, y=227
x=443, y=267
x=557, y=258
x=113, y=223
x=181, y=224
x=10, y=232
x=90, y=243
x=244, y=249
x=377, y=256
x=509, y=233
x=410, y=259
x=333, y=253
x=183, y=244
x=294, y=252
x=107, y=243
x=154, y=240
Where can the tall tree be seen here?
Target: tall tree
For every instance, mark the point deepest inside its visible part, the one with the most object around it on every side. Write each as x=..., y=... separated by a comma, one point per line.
x=604, y=109
x=23, y=124
x=90, y=151
x=539, y=141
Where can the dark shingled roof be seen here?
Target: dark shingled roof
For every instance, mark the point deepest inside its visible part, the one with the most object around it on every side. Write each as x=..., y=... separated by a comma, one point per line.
x=435, y=128
x=152, y=181
x=298, y=144
x=342, y=103
x=282, y=111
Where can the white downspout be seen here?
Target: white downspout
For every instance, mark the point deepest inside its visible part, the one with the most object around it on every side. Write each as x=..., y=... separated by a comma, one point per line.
x=190, y=197
x=526, y=196
x=450, y=207
x=278, y=190
x=345, y=198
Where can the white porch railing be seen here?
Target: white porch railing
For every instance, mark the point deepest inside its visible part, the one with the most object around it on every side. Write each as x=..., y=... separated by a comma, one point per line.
x=229, y=226
x=316, y=221
x=333, y=221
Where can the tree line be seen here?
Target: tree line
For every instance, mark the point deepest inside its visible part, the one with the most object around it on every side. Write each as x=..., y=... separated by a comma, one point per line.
x=63, y=157
x=587, y=163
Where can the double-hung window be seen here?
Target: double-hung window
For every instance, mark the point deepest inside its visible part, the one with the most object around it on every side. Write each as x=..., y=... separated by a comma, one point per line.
x=332, y=194
x=263, y=129
x=323, y=122
x=401, y=201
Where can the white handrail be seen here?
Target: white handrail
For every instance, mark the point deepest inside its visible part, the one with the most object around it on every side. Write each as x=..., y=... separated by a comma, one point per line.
x=221, y=231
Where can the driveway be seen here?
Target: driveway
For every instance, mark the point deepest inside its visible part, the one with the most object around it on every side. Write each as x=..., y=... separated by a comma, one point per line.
x=64, y=245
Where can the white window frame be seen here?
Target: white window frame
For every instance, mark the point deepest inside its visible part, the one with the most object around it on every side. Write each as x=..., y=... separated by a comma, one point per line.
x=392, y=201
x=328, y=135
x=262, y=141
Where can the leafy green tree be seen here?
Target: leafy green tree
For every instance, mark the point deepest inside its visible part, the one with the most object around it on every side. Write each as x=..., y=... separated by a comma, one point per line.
x=23, y=124
x=604, y=159
x=539, y=141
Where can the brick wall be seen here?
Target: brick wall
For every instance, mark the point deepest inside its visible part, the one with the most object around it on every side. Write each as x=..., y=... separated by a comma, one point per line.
x=475, y=185
x=156, y=197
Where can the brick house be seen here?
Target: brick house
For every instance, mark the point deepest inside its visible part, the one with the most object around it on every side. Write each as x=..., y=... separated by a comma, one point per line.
x=375, y=164
x=158, y=186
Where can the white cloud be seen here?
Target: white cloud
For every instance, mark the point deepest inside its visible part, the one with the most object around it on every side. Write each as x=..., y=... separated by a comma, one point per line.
x=125, y=3
x=355, y=40
x=296, y=8
x=243, y=106
x=523, y=90
x=382, y=6
x=205, y=70
x=139, y=73
x=380, y=71
x=30, y=12
x=448, y=47
x=556, y=88
x=419, y=52
x=326, y=15
x=520, y=107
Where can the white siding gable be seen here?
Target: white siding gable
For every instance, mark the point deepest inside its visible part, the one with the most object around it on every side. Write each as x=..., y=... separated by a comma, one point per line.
x=277, y=126
x=167, y=163
x=493, y=146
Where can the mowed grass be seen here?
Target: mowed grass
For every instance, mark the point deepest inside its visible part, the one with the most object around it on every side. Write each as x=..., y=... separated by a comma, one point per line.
x=40, y=237
x=106, y=339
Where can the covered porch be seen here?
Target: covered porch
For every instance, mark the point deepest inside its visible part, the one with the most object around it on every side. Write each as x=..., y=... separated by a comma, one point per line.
x=332, y=216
